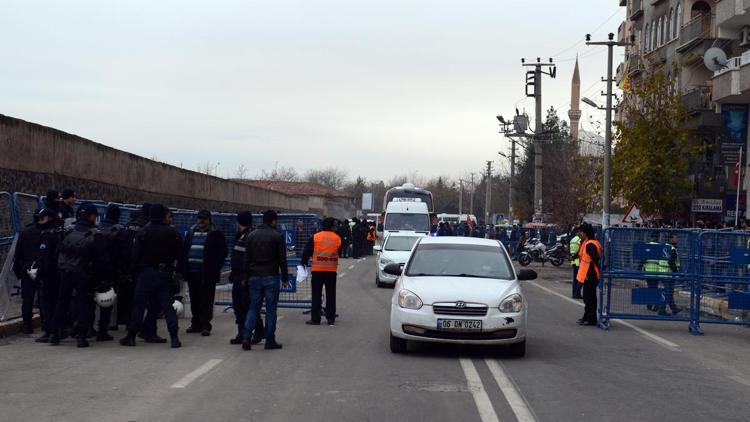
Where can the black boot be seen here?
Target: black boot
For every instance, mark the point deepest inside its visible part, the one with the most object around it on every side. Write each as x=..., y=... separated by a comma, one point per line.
x=128, y=340
x=238, y=338
x=82, y=342
x=247, y=344
x=175, y=341
x=54, y=339
x=154, y=339
x=103, y=335
x=43, y=339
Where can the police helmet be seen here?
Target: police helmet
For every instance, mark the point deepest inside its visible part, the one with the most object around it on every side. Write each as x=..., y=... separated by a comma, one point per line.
x=32, y=271
x=105, y=299
x=179, y=308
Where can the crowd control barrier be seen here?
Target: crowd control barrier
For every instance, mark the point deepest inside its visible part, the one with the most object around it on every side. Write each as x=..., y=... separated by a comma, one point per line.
x=675, y=275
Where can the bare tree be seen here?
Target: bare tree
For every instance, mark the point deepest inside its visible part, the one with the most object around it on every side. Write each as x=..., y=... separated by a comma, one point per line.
x=241, y=172
x=208, y=168
x=281, y=173
x=332, y=177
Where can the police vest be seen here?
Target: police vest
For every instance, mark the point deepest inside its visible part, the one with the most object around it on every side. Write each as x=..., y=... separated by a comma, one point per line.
x=195, y=256
x=657, y=265
x=587, y=261
x=326, y=246
x=238, y=252
x=575, y=246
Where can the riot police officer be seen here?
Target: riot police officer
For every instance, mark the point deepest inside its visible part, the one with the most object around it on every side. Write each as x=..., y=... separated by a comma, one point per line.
x=238, y=277
x=26, y=264
x=155, y=250
x=115, y=238
x=81, y=260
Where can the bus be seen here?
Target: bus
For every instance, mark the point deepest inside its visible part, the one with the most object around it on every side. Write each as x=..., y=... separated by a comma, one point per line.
x=408, y=190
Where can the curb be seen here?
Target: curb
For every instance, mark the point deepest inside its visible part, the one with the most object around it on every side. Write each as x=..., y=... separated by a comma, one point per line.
x=15, y=325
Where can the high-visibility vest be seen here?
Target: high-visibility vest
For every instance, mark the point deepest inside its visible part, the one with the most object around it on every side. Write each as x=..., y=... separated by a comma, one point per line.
x=657, y=265
x=575, y=246
x=326, y=246
x=370, y=236
x=586, y=260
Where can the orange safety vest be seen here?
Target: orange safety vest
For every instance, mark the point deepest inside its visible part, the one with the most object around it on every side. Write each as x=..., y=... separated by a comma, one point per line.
x=371, y=236
x=326, y=246
x=583, y=268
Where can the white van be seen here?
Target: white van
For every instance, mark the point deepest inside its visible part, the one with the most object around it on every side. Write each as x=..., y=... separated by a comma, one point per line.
x=406, y=215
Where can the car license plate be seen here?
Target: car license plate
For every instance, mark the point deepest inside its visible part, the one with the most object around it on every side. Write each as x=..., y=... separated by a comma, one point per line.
x=459, y=324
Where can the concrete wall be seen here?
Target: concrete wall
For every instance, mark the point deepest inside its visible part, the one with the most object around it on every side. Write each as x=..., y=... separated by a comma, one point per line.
x=35, y=158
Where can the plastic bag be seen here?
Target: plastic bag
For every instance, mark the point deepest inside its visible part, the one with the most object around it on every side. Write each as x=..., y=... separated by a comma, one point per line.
x=301, y=273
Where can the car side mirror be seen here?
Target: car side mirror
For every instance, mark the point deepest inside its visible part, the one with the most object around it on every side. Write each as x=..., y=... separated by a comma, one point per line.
x=526, y=275
x=395, y=269
x=377, y=248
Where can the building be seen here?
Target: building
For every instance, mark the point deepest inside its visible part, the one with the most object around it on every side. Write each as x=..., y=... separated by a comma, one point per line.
x=322, y=200
x=575, y=103
x=678, y=33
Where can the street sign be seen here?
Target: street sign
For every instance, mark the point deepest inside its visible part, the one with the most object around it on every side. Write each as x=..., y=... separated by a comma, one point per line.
x=367, y=201
x=707, y=205
x=633, y=216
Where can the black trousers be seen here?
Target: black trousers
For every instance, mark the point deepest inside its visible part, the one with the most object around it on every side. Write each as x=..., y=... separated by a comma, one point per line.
x=319, y=280
x=84, y=302
x=49, y=295
x=202, y=294
x=576, y=285
x=125, y=293
x=28, y=296
x=154, y=287
x=241, y=303
x=589, y=300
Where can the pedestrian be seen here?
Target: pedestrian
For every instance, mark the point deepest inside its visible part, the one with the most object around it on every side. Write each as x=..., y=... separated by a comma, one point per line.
x=26, y=266
x=238, y=277
x=156, y=249
x=82, y=260
x=203, y=256
x=322, y=249
x=575, y=246
x=345, y=235
x=588, y=272
x=371, y=236
x=118, y=249
x=265, y=259
x=67, y=212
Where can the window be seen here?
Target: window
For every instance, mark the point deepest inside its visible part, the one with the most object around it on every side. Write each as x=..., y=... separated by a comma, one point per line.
x=677, y=20
x=457, y=260
x=654, y=33
x=646, y=37
x=662, y=34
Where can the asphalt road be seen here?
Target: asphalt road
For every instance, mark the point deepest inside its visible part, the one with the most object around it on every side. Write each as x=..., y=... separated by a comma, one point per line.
x=640, y=371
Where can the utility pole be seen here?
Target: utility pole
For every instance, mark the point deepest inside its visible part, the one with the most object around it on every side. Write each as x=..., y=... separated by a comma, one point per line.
x=608, y=131
x=460, y=196
x=534, y=78
x=471, y=197
x=520, y=124
x=488, y=193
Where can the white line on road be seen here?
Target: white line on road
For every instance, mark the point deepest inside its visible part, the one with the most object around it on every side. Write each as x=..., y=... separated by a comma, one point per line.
x=512, y=395
x=661, y=341
x=202, y=370
x=342, y=274
x=351, y=267
x=481, y=399
x=740, y=380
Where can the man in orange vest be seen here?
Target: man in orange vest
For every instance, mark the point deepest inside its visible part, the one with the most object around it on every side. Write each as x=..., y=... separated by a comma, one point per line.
x=588, y=272
x=323, y=248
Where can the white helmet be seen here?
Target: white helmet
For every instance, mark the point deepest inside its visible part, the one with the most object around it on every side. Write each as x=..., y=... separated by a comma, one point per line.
x=105, y=299
x=179, y=308
x=32, y=271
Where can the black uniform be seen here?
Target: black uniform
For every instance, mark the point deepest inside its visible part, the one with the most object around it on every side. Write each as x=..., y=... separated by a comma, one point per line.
x=345, y=234
x=48, y=275
x=26, y=256
x=155, y=250
x=240, y=290
x=82, y=259
x=116, y=241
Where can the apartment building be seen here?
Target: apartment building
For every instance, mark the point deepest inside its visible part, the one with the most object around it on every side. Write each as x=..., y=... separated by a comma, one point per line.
x=679, y=32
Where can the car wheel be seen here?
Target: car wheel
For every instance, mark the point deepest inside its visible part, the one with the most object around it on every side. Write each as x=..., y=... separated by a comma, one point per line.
x=378, y=283
x=518, y=349
x=398, y=345
x=524, y=260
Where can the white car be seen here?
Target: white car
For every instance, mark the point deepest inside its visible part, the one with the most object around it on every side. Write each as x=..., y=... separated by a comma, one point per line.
x=396, y=249
x=459, y=290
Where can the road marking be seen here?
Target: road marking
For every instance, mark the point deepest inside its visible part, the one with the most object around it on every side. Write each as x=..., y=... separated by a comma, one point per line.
x=512, y=395
x=351, y=267
x=342, y=274
x=739, y=380
x=481, y=399
x=653, y=337
x=202, y=370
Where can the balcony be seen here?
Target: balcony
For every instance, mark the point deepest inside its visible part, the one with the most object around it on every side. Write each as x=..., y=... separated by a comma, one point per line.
x=698, y=99
x=733, y=14
x=635, y=64
x=621, y=32
x=636, y=10
x=698, y=29
x=732, y=84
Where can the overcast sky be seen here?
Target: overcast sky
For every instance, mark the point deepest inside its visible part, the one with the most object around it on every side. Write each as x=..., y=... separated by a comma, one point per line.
x=377, y=88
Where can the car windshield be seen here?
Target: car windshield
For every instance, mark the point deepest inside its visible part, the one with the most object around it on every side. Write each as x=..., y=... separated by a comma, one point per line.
x=446, y=260
x=410, y=222
x=400, y=243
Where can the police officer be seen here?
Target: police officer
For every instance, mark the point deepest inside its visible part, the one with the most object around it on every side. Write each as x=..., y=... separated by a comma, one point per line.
x=156, y=248
x=575, y=245
x=48, y=275
x=345, y=235
x=323, y=248
x=655, y=266
x=238, y=277
x=203, y=256
x=67, y=212
x=115, y=238
x=82, y=260
x=25, y=265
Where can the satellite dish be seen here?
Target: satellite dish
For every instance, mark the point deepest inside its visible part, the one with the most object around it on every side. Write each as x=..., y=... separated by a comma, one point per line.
x=715, y=59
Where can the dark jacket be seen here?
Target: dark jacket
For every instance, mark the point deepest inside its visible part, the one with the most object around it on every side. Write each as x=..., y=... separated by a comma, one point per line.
x=214, y=250
x=266, y=253
x=118, y=242
x=27, y=249
x=157, y=244
x=82, y=251
x=49, y=248
x=237, y=261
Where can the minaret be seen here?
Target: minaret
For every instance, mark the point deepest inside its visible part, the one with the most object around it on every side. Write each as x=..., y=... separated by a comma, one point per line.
x=575, y=104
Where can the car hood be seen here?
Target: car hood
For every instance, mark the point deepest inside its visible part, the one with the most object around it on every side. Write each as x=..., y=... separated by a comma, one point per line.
x=467, y=289
x=399, y=257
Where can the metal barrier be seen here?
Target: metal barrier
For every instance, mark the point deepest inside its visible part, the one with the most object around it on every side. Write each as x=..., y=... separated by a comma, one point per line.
x=10, y=298
x=724, y=270
x=629, y=291
x=25, y=207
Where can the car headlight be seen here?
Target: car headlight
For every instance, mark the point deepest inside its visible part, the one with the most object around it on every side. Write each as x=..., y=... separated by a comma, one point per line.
x=409, y=300
x=511, y=304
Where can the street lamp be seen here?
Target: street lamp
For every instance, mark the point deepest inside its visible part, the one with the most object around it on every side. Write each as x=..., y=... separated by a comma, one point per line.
x=590, y=102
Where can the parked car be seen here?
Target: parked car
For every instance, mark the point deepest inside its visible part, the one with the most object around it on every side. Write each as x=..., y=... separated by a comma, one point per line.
x=396, y=249
x=458, y=290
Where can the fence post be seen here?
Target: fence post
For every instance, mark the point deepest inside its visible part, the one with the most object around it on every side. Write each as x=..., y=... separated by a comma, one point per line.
x=697, y=286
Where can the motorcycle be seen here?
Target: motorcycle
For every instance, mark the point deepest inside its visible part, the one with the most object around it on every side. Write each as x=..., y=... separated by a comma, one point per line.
x=538, y=252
